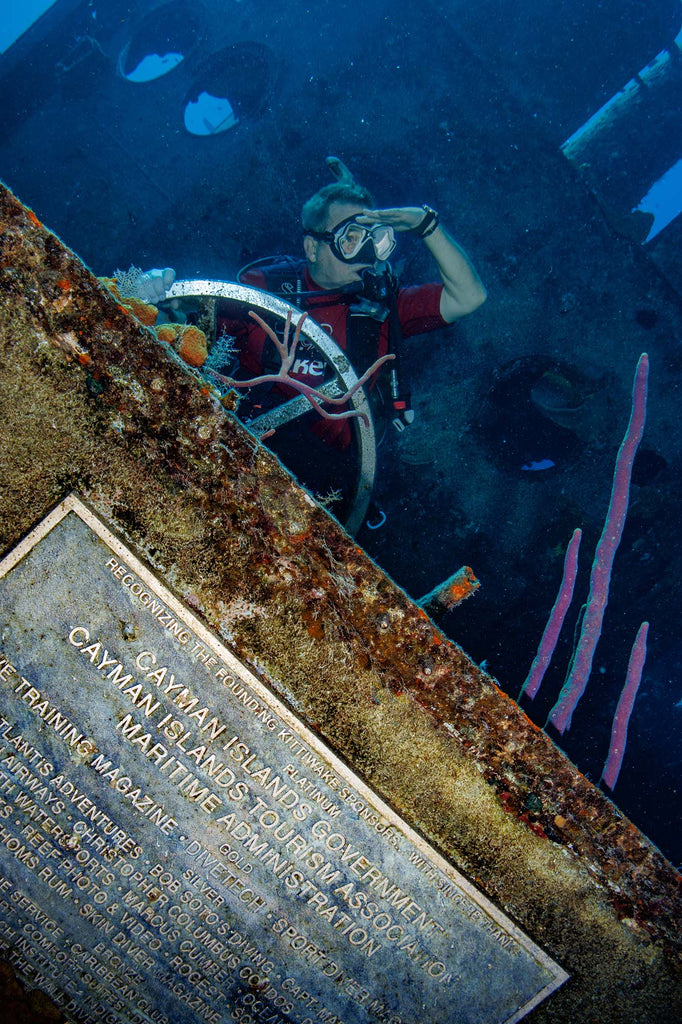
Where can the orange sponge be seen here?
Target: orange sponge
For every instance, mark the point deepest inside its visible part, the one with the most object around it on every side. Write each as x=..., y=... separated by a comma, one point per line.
x=143, y=311
x=190, y=344
x=188, y=341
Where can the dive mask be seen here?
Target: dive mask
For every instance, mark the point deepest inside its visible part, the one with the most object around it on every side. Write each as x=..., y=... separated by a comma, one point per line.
x=358, y=243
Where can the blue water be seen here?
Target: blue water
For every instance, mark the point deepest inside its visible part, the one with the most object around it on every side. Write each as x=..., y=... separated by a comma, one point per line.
x=521, y=407
x=17, y=18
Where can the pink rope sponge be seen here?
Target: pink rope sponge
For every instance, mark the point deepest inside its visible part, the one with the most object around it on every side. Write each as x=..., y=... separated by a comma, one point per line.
x=600, y=578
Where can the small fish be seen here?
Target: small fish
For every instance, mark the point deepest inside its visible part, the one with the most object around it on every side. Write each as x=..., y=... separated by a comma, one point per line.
x=538, y=464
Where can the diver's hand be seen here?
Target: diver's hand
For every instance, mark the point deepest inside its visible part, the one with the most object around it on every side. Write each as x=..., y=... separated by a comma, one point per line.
x=404, y=218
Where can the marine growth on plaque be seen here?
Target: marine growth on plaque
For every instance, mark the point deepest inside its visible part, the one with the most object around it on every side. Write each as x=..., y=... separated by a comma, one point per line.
x=176, y=847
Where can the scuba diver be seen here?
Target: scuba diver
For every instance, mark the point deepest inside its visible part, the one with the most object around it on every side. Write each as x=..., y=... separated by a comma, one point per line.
x=346, y=285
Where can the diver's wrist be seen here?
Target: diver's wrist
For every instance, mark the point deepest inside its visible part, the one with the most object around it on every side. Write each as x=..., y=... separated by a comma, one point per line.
x=428, y=224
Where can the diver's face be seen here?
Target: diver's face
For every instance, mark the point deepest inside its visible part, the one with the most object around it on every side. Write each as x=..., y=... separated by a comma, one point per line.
x=325, y=269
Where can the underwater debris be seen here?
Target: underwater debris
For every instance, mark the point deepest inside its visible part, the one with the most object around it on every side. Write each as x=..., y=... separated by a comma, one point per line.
x=447, y=595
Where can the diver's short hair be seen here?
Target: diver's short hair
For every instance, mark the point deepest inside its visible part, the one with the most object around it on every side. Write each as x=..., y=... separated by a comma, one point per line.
x=316, y=211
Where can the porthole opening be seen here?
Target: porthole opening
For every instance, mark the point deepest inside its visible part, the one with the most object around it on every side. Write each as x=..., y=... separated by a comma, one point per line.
x=229, y=86
x=162, y=40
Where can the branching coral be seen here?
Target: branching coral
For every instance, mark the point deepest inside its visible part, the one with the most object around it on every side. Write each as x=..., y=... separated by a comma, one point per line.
x=287, y=354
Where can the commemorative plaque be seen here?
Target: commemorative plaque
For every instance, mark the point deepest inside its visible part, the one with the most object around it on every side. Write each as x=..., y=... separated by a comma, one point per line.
x=177, y=847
